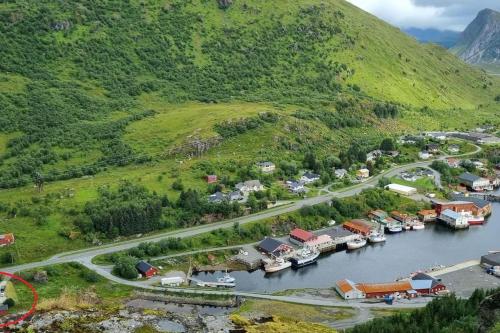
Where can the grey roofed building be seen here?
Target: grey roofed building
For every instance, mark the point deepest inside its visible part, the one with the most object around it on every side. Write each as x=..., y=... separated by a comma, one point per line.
x=340, y=173
x=468, y=177
x=476, y=201
x=425, y=277
x=337, y=232
x=235, y=196
x=143, y=267
x=273, y=246
x=217, y=197
x=492, y=259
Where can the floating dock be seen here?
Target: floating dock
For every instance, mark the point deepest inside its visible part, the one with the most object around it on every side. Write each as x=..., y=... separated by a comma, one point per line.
x=211, y=284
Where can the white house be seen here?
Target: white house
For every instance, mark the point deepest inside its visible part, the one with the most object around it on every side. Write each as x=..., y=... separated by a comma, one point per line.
x=340, y=173
x=454, y=149
x=347, y=289
x=235, y=196
x=295, y=187
x=266, y=167
x=363, y=173
x=309, y=177
x=249, y=186
x=454, y=219
x=424, y=155
x=373, y=155
x=401, y=189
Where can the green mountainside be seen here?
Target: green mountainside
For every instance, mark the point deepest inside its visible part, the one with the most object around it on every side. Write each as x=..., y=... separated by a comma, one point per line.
x=479, y=44
x=163, y=92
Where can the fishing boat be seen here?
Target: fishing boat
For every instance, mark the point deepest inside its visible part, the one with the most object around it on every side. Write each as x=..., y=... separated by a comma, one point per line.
x=226, y=278
x=304, y=257
x=356, y=244
x=277, y=265
x=395, y=228
x=418, y=226
x=377, y=238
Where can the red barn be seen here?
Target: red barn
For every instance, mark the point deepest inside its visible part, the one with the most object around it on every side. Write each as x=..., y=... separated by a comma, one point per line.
x=6, y=239
x=145, y=269
x=299, y=236
x=426, y=284
x=212, y=179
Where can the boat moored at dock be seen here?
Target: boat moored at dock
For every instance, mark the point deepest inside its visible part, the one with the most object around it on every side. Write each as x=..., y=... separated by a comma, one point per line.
x=356, y=244
x=277, y=265
x=304, y=257
x=394, y=228
x=377, y=238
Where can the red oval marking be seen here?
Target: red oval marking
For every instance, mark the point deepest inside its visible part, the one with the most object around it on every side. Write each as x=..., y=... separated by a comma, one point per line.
x=33, y=305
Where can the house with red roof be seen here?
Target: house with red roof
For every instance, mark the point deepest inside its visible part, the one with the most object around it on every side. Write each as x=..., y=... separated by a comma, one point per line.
x=299, y=236
x=6, y=239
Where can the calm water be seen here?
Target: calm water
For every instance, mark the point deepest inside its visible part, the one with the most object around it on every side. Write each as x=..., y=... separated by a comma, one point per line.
x=400, y=255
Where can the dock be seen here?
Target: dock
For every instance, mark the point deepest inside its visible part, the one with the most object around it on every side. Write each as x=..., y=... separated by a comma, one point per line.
x=250, y=257
x=212, y=284
x=486, y=196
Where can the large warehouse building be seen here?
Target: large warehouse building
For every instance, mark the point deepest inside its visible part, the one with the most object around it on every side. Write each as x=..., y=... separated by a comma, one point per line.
x=401, y=189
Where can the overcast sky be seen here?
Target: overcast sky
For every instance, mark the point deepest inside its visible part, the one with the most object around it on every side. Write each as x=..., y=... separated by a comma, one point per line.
x=440, y=14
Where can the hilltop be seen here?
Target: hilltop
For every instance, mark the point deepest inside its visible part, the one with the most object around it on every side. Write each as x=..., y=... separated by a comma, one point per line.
x=162, y=93
x=479, y=44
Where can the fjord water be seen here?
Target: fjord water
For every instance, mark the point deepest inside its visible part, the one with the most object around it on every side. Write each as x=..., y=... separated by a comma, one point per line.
x=401, y=255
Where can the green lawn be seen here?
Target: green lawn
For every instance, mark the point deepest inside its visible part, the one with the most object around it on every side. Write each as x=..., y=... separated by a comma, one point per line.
x=68, y=281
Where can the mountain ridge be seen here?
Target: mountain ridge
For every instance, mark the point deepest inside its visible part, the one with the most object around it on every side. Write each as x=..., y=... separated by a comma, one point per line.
x=479, y=44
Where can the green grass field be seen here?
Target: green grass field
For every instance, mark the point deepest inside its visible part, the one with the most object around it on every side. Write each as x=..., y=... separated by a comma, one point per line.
x=68, y=283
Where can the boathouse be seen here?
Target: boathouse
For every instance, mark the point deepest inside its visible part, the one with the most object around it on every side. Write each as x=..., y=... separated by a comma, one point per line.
x=321, y=243
x=274, y=247
x=340, y=236
x=401, y=217
x=483, y=207
x=299, y=236
x=427, y=215
x=378, y=215
x=347, y=289
x=358, y=226
x=382, y=289
x=456, y=206
x=425, y=284
x=454, y=219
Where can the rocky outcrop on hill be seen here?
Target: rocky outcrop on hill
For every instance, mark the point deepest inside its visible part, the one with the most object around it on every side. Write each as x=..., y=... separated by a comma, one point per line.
x=480, y=42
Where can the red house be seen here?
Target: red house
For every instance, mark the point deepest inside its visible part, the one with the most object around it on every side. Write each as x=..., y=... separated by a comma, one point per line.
x=212, y=179
x=145, y=269
x=6, y=239
x=299, y=236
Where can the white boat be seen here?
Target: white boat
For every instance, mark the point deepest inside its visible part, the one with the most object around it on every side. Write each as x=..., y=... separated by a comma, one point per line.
x=226, y=278
x=304, y=257
x=356, y=244
x=277, y=265
x=395, y=228
x=377, y=238
x=407, y=227
x=418, y=226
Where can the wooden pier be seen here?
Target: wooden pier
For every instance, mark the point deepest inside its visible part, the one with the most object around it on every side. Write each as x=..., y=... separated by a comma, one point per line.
x=212, y=284
x=486, y=196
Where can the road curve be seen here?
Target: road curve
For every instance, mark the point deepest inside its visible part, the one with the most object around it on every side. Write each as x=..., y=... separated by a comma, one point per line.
x=193, y=231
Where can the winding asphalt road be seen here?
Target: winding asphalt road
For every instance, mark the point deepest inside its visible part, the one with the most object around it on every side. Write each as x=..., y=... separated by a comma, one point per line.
x=86, y=255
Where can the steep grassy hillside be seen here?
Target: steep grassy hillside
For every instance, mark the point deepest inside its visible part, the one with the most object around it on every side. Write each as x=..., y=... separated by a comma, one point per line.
x=162, y=92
